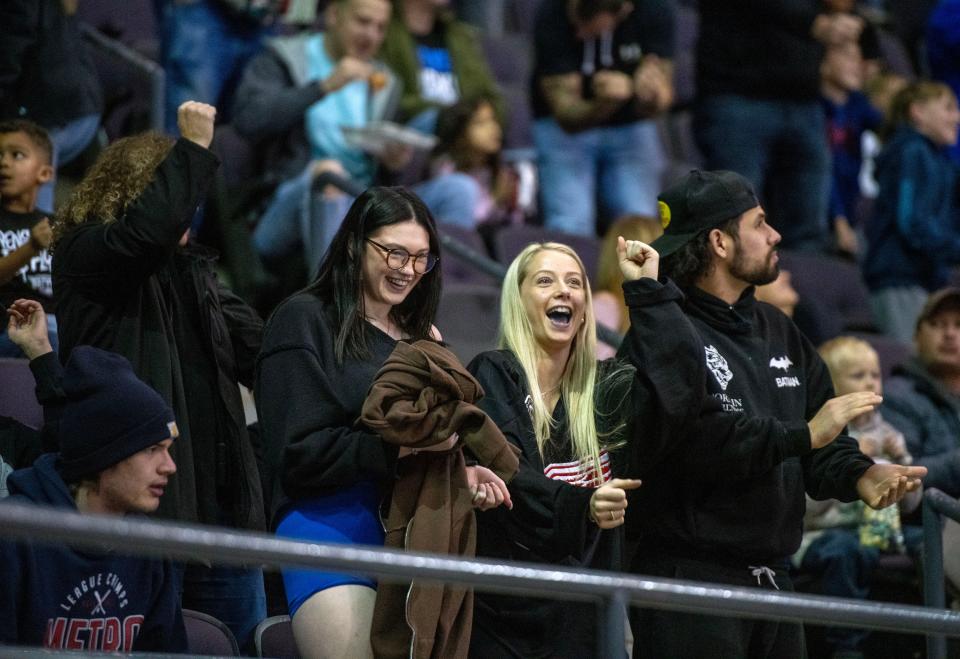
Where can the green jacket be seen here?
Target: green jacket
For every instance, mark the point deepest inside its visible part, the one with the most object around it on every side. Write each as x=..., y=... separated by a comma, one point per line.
x=469, y=65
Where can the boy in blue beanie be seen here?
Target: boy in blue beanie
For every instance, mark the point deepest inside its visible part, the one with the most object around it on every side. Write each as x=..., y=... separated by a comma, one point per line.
x=114, y=434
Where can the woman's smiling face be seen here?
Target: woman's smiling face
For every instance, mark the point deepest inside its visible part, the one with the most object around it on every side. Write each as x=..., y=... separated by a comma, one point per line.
x=554, y=296
x=383, y=287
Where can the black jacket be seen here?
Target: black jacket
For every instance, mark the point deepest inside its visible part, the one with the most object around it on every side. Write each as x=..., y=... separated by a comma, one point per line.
x=738, y=497
x=760, y=49
x=549, y=521
x=308, y=406
x=45, y=74
x=126, y=287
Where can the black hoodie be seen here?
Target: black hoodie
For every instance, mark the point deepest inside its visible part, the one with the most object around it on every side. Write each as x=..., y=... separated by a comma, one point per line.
x=71, y=599
x=738, y=498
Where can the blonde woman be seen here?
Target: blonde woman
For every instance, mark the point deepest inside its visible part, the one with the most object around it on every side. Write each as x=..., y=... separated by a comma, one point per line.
x=572, y=418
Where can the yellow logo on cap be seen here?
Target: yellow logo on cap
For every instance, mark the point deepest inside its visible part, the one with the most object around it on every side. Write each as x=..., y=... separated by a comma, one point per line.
x=664, y=214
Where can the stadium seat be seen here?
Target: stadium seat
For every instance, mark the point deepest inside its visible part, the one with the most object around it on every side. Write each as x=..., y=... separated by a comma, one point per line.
x=17, y=398
x=208, y=636
x=510, y=241
x=468, y=318
x=892, y=352
x=833, y=297
x=456, y=269
x=274, y=638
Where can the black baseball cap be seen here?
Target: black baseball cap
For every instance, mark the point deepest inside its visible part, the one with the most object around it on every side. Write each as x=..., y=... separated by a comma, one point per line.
x=701, y=200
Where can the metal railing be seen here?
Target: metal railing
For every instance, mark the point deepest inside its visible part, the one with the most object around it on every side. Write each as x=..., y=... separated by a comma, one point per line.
x=936, y=505
x=480, y=261
x=145, y=66
x=192, y=542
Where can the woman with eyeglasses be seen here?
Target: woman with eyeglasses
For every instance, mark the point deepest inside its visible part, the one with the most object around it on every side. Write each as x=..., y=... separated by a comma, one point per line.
x=377, y=284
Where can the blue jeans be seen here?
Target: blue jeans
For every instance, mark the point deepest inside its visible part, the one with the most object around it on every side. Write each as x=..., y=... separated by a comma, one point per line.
x=10, y=349
x=299, y=217
x=69, y=141
x=203, y=52
x=618, y=166
x=781, y=148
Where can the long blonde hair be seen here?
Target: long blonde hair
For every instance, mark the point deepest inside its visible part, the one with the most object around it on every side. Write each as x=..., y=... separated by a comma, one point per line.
x=579, y=377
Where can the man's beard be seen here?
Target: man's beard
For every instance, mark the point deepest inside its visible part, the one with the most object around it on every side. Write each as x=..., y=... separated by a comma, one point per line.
x=758, y=275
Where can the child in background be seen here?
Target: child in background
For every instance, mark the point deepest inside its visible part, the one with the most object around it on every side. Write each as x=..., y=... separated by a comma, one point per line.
x=469, y=141
x=849, y=113
x=843, y=541
x=25, y=234
x=913, y=238
x=881, y=90
x=609, y=307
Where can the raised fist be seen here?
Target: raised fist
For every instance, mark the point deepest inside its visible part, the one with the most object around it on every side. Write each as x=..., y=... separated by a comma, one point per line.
x=195, y=121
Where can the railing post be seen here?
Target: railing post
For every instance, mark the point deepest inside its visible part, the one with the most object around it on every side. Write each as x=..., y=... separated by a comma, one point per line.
x=615, y=627
x=933, y=594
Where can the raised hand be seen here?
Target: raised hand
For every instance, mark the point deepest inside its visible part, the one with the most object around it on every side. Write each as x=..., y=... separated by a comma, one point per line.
x=27, y=327
x=608, y=504
x=487, y=489
x=637, y=259
x=41, y=234
x=195, y=121
x=883, y=485
x=836, y=413
x=347, y=70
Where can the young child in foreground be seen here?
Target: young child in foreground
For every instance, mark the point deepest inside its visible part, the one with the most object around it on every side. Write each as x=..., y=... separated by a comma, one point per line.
x=25, y=234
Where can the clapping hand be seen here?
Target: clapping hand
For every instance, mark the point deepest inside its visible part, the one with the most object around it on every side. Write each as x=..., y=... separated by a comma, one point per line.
x=883, y=485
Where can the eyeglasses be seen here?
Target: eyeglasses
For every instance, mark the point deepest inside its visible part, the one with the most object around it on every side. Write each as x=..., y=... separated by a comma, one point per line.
x=397, y=258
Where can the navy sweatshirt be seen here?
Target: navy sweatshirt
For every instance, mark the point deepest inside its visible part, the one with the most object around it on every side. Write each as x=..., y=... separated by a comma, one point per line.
x=71, y=599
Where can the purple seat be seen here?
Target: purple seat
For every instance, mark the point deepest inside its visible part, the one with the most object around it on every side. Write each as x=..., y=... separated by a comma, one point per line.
x=274, y=638
x=456, y=269
x=895, y=54
x=511, y=240
x=237, y=156
x=892, y=352
x=511, y=62
x=833, y=297
x=17, y=398
x=468, y=318
x=208, y=636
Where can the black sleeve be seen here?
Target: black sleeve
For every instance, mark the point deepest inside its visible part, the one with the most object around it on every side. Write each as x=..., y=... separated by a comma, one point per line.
x=18, y=30
x=668, y=387
x=549, y=517
x=48, y=374
x=657, y=25
x=267, y=104
x=830, y=472
x=310, y=439
x=246, y=332
x=163, y=629
x=125, y=252
x=556, y=49
x=791, y=15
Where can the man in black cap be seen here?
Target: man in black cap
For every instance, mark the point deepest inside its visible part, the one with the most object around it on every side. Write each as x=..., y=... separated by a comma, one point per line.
x=731, y=511
x=115, y=434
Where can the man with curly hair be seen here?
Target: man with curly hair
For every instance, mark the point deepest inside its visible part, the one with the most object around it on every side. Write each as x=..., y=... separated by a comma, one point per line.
x=125, y=279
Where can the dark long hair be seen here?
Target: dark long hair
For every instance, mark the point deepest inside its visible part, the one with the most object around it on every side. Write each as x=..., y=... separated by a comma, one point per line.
x=690, y=262
x=340, y=281
x=451, y=131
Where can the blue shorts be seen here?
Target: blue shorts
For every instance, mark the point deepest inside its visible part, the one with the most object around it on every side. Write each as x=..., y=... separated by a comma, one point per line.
x=349, y=516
